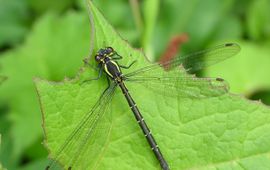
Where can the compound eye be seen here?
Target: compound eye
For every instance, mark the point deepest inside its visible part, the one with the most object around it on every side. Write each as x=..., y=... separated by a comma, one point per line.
x=109, y=50
x=97, y=58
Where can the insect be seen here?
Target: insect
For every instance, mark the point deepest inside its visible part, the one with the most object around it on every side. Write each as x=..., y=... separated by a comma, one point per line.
x=165, y=83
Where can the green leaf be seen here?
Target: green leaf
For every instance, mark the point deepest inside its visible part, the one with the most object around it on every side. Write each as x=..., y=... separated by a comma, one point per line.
x=54, y=49
x=248, y=71
x=50, y=5
x=120, y=14
x=225, y=132
x=13, y=21
x=199, y=19
x=223, y=32
x=150, y=9
x=258, y=20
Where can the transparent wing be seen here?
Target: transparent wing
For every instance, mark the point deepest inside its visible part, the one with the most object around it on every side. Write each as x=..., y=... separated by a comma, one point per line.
x=89, y=137
x=171, y=83
x=195, y=61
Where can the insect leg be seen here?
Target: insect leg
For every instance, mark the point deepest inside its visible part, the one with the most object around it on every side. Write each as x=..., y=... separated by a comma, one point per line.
x=98, y=77
x=127, y=67
x=117, y=56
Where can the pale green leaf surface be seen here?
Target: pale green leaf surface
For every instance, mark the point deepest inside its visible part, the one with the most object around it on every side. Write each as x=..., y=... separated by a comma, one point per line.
x=248, y=71
x=53, y=50
x=226, y=132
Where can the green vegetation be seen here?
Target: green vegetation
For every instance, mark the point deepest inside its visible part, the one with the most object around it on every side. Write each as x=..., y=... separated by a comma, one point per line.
x=2, y=79
x=225, y=132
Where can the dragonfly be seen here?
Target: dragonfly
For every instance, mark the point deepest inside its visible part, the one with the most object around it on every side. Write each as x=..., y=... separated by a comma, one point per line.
x=88, y=138
x=94, y=125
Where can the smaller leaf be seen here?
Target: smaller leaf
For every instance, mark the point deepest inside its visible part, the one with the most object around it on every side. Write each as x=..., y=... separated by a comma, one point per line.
x=248, y=71
x=258, y=19
x=225, y=32
x=150, y=9
x=50, y=45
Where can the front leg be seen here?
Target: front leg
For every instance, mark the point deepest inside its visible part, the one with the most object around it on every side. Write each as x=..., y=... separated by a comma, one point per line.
x=116, y=56
x=127, y=67
x=98, y=77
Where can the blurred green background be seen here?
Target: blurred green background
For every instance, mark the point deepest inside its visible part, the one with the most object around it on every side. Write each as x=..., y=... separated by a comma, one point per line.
x=49, y=39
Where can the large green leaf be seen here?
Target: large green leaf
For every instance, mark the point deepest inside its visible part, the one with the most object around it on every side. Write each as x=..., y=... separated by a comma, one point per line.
x=54, y=49
x=225, y=132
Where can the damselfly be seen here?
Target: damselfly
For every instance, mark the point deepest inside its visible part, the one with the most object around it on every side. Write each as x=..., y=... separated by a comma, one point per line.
x=168, y=83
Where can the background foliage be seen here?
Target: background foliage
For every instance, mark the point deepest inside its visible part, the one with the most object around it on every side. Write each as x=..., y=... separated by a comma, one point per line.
x=49, y=39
